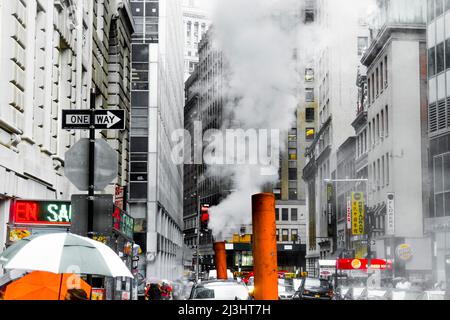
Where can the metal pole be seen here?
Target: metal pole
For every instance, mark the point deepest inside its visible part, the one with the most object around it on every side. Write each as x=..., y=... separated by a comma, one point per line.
x=91, y=191
x=198, y=237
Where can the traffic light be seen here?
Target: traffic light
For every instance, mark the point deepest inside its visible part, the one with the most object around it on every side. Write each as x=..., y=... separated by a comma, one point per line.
x=204, y=218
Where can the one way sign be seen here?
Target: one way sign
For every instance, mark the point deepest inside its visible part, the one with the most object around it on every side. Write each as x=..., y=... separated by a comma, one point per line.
x=103, y=119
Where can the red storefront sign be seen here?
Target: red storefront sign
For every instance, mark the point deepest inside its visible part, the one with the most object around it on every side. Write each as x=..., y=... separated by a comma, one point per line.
x=361, y=264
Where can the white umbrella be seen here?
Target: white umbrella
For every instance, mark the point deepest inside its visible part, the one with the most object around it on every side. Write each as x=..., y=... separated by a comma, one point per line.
x=64, y=253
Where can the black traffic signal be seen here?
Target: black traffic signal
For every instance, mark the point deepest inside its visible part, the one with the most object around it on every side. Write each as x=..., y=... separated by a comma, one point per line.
x=204, y=218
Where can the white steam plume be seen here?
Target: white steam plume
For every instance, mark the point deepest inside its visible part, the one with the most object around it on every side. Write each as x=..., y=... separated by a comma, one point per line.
x=261, y=89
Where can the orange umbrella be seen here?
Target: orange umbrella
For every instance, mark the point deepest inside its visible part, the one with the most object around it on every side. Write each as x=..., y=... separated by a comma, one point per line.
x=40, y=285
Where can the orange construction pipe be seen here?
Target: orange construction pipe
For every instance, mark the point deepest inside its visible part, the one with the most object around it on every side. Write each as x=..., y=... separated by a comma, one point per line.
x=265, y=265
x=221, y=260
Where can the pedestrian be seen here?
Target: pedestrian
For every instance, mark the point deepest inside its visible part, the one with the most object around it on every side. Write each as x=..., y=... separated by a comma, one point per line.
x=76, y=294
x=153, y=292
x=166, y=291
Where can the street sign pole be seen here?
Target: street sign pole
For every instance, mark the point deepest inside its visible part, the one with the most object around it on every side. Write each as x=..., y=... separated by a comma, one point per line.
x=91, y=182
x=91, y=177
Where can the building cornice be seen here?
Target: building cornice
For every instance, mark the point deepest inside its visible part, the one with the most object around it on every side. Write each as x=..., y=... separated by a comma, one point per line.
x=385, y=34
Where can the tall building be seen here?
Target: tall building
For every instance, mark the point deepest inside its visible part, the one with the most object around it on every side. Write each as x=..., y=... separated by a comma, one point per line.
x=335, y=62
x=156, y=186
x=196, y=23
x=397, y=132
x=53, y=54
x=437, y=223
x=203, y=111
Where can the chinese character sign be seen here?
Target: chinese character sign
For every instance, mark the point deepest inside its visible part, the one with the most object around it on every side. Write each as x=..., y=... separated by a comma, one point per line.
x=358, y=213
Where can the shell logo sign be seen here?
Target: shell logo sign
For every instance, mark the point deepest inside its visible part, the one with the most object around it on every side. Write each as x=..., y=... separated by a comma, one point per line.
x=356, y=263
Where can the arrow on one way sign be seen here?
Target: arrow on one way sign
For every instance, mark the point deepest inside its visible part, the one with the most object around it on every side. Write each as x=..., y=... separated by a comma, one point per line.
x=108, y=119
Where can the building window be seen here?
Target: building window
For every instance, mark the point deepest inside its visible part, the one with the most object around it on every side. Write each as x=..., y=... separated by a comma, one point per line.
x=309, y=94
x=381, y=76
x=430, y=10
x=362, y=45
x=278, y=235
x=309, y=74
x=440, y=65
x=386, y=71
x=292, y=174
x=294, y=235
x=285, y=235
x=293, y=194
x=310, y=134
x=377, y=81
x=309, y=114
x=309, y=16
x=439, y=7
x=277, y=214
x=442, y=185
x=294, y=214
x=293, y=154
x=369, y=87
x=387, y=169
x=285, y=214
x=373, y=88
x=387, y=121
x=432, y=62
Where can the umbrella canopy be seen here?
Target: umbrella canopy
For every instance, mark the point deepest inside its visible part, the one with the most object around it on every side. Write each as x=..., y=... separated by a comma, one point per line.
x=64, y=253
x=40, y=285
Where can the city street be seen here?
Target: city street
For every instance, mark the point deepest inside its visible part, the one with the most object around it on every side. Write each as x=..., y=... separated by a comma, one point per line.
x=248, y=151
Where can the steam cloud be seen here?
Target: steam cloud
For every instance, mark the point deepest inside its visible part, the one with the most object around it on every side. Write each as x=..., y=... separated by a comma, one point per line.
x=263, y=86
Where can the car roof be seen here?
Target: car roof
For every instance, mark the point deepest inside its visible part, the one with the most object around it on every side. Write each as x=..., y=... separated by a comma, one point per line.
x=219, y=282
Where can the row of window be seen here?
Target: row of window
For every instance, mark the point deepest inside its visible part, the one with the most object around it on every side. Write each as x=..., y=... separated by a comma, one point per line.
x=439, y=58
x=441, y=186
x=284, y=236
x=439, y=115
x=437, y=8
x=285, y=214
x=379, y=127
x=379, y=173
x=378, y=80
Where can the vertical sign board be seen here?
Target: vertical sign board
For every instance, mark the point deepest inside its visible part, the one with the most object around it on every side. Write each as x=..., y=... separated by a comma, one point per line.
x=390, y=218
x=330, y=202
x=349, y=213
x=358, y=213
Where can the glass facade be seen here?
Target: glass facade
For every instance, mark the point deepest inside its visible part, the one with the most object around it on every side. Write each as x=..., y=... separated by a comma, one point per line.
x=145, y=14
x=439, y=105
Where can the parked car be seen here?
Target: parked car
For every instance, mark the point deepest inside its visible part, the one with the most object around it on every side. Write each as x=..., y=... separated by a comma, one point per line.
x=405, y=294
x=433, y=295
x=220, y=290
x=375, y=294
x=212, y=274
x=286, y=289
x=312, y=288
x=354, y=293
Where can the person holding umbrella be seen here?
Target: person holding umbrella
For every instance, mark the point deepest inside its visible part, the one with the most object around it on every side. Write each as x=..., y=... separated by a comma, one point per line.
x=76, y=294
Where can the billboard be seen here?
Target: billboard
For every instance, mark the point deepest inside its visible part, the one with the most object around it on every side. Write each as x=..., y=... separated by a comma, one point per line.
x=358, y=213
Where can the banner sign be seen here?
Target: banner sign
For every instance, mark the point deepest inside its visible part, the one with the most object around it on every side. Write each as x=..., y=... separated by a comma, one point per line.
x=358, y=213
x=330, y=202
x=349, y=213
x=361, y=264
x=123, y=223
x=32, y=212
x=390, y=220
